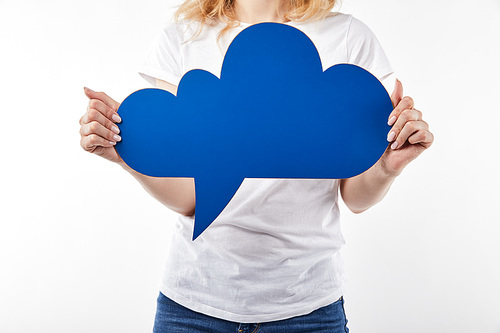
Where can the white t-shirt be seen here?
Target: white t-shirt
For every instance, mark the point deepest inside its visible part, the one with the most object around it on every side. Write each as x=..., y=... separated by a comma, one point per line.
x=274, y=252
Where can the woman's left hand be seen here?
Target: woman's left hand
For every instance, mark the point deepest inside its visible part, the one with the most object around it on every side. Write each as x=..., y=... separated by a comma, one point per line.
x=409, y=135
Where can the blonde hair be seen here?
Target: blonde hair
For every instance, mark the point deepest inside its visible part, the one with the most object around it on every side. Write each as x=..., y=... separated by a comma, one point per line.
x=211, y=12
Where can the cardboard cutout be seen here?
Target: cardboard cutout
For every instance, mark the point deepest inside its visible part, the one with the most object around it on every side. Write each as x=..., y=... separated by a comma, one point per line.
x=273, y=113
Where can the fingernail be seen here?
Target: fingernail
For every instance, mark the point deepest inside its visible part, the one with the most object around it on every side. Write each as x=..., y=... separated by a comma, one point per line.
x=112, y=143
x=116, y=137
x=391, y=121
x=115, y=129
x=391, y=136
x=88, y=89
x=116, y=118
x=394, y=145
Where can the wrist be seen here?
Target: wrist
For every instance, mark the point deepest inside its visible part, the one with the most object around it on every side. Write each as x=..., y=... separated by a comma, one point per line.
x=389, y=169
x=124, y=165
x=385, y=172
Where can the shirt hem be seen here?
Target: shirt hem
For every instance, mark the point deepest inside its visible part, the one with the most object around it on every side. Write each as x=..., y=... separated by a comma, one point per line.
x=151, y=73
x=250, y=318
x=382, y=72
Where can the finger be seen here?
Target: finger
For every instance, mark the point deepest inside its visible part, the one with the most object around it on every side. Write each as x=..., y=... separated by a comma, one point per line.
x=92, y=141
x=397, y=94
x=423, y=137
x=95, y=128
x=94, y=115
x=409, y=129
x=406, y=103
x=405, y=116
x=103, y=97
x=108, y=112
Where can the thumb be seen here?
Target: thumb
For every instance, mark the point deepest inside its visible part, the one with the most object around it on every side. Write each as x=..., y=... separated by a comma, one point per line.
x=102, y=97
x=397, y=94
x=89, y=92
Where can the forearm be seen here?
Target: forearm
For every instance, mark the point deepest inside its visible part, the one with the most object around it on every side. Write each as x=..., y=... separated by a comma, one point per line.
x=365, y=190
x=178, y=194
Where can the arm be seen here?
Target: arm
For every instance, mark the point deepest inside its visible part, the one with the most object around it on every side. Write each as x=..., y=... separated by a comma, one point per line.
x=100, y=134
x=175, y=193
x=365, y=190
x=409, y=135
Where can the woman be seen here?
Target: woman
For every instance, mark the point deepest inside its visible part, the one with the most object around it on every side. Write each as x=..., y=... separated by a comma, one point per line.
x=271, y=261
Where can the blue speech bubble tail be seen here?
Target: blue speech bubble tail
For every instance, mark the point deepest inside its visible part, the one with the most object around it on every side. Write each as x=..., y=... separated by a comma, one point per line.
x=212, y=196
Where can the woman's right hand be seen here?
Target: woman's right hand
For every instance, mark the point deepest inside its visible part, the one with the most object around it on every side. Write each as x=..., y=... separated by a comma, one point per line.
x=99, y=133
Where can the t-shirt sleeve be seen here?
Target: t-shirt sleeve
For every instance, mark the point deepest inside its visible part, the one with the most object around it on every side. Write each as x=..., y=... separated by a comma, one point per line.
x=364, y=50
x=389, y=82
x=163, y=57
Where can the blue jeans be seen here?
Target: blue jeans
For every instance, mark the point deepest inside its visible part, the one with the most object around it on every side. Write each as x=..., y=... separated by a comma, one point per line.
x=174, y=318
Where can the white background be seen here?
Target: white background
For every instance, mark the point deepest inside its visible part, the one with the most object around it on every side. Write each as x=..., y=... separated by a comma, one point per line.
x=82, y=245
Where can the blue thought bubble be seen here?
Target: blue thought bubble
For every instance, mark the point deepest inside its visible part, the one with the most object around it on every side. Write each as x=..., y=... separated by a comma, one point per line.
x=274, y=113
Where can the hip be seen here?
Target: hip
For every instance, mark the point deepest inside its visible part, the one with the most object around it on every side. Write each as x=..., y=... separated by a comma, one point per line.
x=175, y=318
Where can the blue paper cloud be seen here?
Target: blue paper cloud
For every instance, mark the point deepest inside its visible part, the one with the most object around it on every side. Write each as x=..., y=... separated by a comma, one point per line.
x=273, y=113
